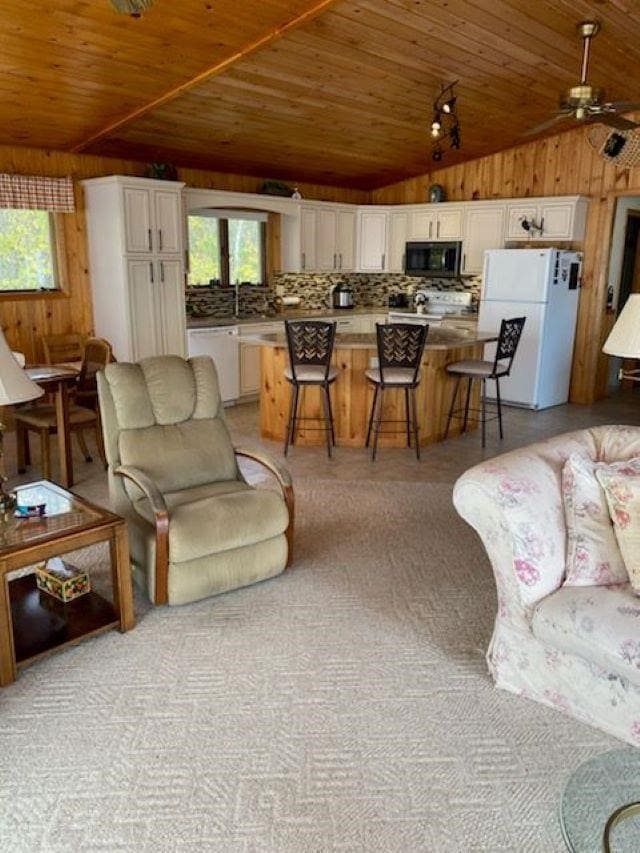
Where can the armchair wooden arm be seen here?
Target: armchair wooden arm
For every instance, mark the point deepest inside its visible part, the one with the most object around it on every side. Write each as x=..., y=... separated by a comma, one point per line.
x=283, y=477
x=161, y=518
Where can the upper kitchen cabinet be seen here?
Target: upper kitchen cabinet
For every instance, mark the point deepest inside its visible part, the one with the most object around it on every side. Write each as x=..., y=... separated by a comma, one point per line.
x=136, y=265
x=398, y=226
x=483, y=229
x=560, y=218
x=373, y=225
x=152, y=215
x=327, y=238
x=435, y=222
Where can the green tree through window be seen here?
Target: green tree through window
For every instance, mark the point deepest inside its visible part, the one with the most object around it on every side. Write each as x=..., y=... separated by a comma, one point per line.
x=27, y=258
x=225, y=249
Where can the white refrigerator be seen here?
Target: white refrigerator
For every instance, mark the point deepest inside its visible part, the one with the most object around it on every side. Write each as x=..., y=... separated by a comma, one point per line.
x=542, y=285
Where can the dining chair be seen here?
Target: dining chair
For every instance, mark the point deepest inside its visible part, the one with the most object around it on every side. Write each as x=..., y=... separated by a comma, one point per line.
x=310, y=344
x=83, y=411
x=508, y=340
x=62, y=349
x=400, y=348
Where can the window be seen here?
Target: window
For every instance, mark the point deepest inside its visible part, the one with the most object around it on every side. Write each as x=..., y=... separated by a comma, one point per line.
x=27, y=250
x=226, y=249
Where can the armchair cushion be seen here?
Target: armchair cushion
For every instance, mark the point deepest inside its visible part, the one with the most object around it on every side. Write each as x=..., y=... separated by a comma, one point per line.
x=599, y=624
x=232, y=516
x=593, y=556
x=179, y=456
x=621, y=483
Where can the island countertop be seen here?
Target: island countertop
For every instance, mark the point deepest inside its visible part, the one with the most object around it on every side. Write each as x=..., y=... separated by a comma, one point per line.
x=442, y=339
x=352, y=393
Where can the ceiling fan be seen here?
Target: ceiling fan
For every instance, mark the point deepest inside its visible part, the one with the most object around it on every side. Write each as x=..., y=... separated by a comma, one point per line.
x=585, y=103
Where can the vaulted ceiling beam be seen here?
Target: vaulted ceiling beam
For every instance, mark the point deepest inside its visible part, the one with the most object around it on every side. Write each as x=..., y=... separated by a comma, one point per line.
x=317, y=8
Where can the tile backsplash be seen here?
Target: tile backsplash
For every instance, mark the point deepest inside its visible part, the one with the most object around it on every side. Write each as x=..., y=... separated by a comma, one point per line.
x=313, y=289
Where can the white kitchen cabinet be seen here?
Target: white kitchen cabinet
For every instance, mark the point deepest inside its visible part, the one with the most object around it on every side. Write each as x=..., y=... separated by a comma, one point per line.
x=372, y=233
x=435, y=222
x=308, y=225
x=221, y=344
x=346, y=240
x=137, y=287
x=152, y=219
x=398, y=229
x=483, y=229
x=327, y=238
x=562, y=219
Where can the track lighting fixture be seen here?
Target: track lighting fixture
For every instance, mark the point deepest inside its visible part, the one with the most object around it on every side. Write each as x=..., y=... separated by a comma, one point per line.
x=445, y=121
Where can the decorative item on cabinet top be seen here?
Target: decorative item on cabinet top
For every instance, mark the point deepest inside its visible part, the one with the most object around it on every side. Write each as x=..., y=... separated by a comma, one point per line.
x=436, y=193
x=161, y=172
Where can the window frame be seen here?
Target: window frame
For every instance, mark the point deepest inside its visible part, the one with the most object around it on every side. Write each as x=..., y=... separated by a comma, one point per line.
x=60, y=269
x=223, y=217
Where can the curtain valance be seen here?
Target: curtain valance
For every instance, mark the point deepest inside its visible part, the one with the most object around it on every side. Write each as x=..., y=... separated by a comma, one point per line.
x=37, y=193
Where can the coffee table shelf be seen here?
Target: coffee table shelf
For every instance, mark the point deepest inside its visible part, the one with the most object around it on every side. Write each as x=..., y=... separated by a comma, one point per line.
x=34, y=623
x=42, y=624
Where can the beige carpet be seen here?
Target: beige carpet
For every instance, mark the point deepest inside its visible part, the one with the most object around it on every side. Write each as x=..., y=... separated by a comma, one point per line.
x=343, y=706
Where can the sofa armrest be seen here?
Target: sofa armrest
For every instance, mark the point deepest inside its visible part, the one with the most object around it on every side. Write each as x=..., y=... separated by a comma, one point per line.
x=161, y=518
x=283, y=477
x=514, y=503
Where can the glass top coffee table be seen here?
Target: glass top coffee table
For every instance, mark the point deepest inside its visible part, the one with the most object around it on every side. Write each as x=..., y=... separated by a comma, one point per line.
x=595, y=793
x=32, y=622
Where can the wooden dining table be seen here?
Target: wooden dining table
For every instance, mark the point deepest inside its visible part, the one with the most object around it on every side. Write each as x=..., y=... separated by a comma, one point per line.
x=57, y=380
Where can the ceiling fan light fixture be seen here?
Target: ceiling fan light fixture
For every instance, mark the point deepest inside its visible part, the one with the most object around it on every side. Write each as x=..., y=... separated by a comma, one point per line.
x=134, y=8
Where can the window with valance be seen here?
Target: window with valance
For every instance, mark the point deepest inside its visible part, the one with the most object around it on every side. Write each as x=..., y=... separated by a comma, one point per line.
x=29, y=251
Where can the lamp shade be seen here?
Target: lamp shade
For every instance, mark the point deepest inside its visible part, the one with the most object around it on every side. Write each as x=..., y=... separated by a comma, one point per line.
x=624, y=338
x=15, y=385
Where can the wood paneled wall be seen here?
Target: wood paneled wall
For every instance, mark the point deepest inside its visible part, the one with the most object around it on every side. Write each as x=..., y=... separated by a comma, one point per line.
x=564, y=164
x=25, y=319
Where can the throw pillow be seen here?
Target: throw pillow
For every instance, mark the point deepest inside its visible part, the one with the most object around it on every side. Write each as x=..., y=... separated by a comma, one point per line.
x=621, y=484
x=593, y=554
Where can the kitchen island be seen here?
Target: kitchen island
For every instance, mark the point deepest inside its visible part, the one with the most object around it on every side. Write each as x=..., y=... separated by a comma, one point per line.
x=352, y=394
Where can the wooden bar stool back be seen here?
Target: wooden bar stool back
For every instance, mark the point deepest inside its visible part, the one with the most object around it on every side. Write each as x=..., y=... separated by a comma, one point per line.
x=400, y=349
x=310, y=344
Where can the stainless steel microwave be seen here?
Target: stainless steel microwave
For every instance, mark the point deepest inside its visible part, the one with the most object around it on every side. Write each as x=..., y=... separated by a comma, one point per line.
x=433, y=260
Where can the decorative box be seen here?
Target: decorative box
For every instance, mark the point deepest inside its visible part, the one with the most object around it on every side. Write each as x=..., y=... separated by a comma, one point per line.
x=62, y=580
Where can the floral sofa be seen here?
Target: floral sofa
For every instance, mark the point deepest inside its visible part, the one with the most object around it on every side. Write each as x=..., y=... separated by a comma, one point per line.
x=575, y=648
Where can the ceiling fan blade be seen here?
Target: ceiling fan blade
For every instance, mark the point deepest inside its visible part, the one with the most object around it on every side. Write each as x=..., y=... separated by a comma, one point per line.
x=624, y=106
x=563, y=116
x=616, y=121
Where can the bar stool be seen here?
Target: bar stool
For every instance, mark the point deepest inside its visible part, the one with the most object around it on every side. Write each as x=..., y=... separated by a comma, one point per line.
x=310, y=344
x=508, y=340
x=400, y=348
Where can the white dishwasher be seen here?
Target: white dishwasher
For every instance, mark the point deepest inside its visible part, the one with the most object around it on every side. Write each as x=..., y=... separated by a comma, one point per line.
x=221, y=343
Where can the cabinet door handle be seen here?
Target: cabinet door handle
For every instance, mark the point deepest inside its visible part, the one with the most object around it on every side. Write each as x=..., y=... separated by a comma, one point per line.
x=151, y=271
x=464, y=260
x=384, y=257
x=160, y=239
x=437, y=229
x=150, y=239
x=340, y=256
x=335, y=260
x=304, y=260
x=161, y=270
x=404, y=261
x=430, y=229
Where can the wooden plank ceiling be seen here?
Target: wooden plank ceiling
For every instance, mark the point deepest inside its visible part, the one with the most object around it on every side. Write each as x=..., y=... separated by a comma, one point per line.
x=336, y=92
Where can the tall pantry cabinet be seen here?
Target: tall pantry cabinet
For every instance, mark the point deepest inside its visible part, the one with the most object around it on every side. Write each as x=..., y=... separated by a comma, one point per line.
x=136, y=265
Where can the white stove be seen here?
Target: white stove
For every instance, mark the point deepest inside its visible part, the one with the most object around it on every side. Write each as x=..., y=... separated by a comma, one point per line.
x=439, y=302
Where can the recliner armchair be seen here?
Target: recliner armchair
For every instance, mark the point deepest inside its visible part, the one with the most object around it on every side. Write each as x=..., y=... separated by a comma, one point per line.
x=196, y=527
